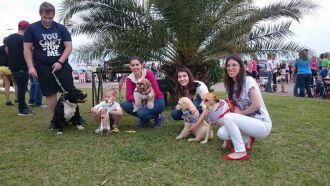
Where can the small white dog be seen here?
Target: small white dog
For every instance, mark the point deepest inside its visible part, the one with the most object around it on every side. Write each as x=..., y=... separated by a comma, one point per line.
x=216, y=108
x=143, y=95
x=190, y=116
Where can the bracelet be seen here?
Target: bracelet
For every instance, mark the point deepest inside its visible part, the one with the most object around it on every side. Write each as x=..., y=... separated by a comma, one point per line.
x=59, y=63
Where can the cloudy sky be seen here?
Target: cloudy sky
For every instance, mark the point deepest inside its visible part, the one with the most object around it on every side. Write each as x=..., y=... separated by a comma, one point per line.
x=313, y=31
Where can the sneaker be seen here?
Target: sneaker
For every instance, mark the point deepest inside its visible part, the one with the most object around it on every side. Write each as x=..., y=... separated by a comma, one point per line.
x=80, y=127
x=41, y=106
x=25, y=113
x=140, y=125
x=9, y=103
x=159, y=121
x=51, y=125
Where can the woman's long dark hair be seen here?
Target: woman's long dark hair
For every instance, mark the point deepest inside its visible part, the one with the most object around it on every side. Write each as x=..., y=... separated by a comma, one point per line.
x=192, y=85
x=229, y=82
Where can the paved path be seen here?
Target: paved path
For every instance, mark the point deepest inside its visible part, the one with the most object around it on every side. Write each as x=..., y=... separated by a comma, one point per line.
x=217, y=87
x=288, y=88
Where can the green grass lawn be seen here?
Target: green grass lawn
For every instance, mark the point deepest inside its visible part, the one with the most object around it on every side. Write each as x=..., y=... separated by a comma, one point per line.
x=296, y=153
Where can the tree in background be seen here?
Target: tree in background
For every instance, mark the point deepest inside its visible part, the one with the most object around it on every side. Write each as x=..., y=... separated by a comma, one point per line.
x=194, y=33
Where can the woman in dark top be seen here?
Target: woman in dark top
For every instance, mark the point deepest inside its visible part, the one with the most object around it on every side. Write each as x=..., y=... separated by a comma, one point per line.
x=5, y=72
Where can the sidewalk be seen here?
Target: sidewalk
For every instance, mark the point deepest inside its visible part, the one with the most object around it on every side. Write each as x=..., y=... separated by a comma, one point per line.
x=288, y=88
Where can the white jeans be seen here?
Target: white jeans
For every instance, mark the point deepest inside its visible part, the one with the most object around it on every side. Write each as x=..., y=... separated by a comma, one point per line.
x=239, y=128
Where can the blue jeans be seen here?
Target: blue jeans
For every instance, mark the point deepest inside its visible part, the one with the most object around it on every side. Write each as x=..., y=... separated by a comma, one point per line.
x=269, y=82
x=295, y=89
x=177, y=114
x=22, y=78
x=303, y=82
x=35, y=92
x=320, y=87
x=145, y=114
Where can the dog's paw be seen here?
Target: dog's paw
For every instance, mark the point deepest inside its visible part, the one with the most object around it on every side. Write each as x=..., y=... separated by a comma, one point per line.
x=59, y=133
x=191, y=139
x=79, y=127
x=150, y=105
x=178, y=137
x=204, y=142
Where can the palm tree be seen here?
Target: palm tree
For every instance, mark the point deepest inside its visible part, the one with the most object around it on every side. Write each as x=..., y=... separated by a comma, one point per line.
x=194, y=33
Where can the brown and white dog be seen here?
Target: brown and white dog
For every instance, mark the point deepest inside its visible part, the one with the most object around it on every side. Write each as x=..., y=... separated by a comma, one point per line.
x=190, y=116
x=216, y=108
x=143, y=95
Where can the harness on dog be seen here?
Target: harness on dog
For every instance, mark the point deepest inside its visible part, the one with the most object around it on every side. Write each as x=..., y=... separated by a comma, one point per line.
x=189, y=116
x=69, y=109
x=214, y=116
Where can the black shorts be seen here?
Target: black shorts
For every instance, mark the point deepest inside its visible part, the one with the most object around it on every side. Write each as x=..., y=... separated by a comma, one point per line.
x=47, y=81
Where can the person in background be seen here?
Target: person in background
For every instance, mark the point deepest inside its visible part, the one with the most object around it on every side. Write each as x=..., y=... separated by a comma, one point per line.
x=154, y=69
x=320, y=85
x=187, y=86
x=258, y=70
x=304, y=73
x=35, y=94
x=5, y=72
x=253, y=67
x=283, y=76
x=325, y=63
x=144, y=114
x=269, y=71
x=250, y=119
x=47, y=46
x=18, y=66
x=276, y=67
x=314, y=68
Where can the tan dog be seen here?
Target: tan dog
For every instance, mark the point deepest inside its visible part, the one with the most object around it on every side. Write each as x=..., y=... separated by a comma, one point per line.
x=190, y=116
x=216, y=108
x=143, y=95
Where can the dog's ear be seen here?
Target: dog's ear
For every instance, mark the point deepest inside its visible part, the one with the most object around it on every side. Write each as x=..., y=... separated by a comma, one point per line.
x=216, y=99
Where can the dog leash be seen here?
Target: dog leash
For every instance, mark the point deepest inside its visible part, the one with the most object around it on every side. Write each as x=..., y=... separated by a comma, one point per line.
x=59, y=84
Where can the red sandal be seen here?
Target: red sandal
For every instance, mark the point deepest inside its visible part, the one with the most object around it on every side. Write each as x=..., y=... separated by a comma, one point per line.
x=227, y=157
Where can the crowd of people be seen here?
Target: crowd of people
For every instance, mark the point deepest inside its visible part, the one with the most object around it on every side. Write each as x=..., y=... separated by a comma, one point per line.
x=40, y=51
x=306, y=73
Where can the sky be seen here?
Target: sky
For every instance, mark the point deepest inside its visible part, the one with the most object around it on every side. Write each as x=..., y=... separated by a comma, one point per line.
x=313, y=31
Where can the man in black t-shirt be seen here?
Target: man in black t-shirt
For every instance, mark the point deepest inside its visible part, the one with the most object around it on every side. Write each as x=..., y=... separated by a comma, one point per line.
x=18, y=66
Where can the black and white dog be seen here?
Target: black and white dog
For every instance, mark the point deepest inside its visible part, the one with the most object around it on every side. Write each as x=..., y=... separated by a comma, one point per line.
x=67, y=110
